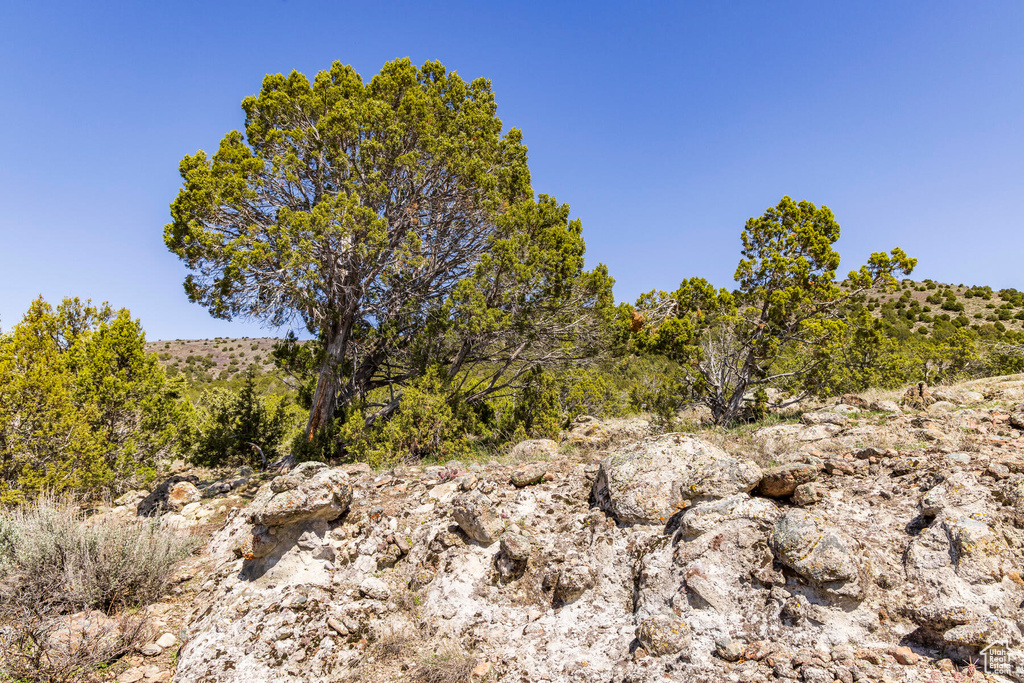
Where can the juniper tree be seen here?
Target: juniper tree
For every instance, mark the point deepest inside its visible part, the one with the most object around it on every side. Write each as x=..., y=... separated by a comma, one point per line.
x=781, y=327
x=361, y=209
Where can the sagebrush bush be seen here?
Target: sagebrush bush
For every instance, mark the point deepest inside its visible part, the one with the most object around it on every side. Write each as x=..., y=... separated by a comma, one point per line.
x=68, y=584
x=102, y=562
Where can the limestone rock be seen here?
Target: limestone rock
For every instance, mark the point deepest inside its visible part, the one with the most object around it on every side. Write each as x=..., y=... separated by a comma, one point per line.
x=375, y=589
x=648, y=482
x=516, y=547
x=664, y=635
x=529, y=475
x=815, y=549
x=167, y=640
x=805, y=495
x=309, y=492
x=474, y=513
x=729, y=649
x=821, y=418
x=162, y=500
x=781, y=481
x=573, y=581
x=534, y=449
x=710, y=515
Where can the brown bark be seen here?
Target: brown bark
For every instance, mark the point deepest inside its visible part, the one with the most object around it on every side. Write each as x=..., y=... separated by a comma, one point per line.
x=328, y=383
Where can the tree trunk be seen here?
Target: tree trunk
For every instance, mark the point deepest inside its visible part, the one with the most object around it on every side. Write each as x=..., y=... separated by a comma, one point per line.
x=328, y=382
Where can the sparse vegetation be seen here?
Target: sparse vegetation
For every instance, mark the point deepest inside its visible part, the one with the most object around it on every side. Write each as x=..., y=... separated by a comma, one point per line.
x=69, y=585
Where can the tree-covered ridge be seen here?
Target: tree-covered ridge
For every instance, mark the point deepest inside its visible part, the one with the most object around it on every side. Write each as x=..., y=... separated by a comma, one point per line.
x=449, y=306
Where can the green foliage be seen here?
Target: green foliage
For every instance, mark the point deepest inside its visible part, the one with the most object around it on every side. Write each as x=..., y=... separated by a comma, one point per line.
x=783, y=325
x=424, y=426
x=241, y=426
x=82, y=405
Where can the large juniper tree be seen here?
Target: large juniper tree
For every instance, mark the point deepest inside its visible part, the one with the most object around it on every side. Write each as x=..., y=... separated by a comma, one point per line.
x=378, y=213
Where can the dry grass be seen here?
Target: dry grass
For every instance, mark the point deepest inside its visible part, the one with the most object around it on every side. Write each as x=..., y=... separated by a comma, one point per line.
x=393, y=641
x=449, y=664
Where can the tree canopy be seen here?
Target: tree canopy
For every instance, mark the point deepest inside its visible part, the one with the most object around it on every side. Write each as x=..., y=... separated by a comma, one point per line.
x=784, y=325
x=375, y=213
x=81, y=402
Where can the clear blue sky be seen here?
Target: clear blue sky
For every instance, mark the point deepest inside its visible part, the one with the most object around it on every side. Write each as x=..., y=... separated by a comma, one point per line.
x=664, y=126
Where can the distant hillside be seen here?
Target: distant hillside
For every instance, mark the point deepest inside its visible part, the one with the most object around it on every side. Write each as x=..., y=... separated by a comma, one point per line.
x=218, y=358
x=920, y=304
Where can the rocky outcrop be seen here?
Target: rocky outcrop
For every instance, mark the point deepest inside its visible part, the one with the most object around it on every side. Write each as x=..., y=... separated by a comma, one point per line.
x=171, y=495
x=866, y=555
x=312, y=491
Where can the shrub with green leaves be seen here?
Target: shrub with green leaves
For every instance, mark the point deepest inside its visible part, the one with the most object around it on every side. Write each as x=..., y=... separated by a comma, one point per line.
x=82, y=405
x=241, y=426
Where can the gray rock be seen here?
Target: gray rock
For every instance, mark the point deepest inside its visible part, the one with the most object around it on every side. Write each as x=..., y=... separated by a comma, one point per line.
x=805, y=495
x=573, y=581
x=534, y=449
x=811, y=547
x=167, y=640
x=474, y=513
x=162, y=500
x=311, y=491
x=529, y=475
x=648, y=482
x=729, y=649
x=516, y=547
x=663, y=635
x=710, y=515
x=960, y=492
x=374, y=589
x=886, y=406
x=980, y=633
x=824, y=418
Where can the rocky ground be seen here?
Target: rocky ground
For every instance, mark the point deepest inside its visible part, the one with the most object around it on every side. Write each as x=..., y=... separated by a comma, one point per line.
x=869, y=540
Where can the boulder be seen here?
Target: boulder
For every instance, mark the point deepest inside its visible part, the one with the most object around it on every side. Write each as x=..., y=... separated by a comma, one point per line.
x=375, y=589
x=474, y=513
x=649, y=482
x=710, y=515
x=171, y=495
x=573, y=581
x=816, y=550
x=311, y=491
x=853, y=400
x=663, y=635
x=820, y=418
x=516, y=547
x=256, y=544
x=886, y=406
x=805, y=495
x=781, y=481
x=529, y=475
x=961, y=491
